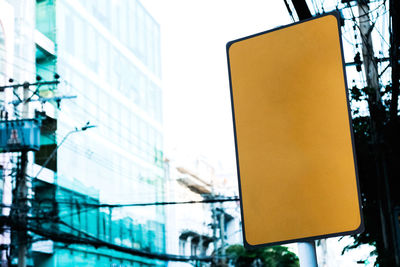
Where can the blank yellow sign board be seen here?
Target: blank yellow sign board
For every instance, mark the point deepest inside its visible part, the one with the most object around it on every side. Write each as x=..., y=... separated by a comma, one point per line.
x=294, y=147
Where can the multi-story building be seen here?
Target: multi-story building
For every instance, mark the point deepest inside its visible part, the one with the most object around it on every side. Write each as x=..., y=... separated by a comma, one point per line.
x=107, y=54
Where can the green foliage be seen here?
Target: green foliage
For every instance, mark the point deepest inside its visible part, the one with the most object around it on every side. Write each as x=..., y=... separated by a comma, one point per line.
x=356, y=94
x=274, y=256
x=368, y=183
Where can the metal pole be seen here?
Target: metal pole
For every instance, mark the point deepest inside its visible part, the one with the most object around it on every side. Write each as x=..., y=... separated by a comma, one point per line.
x=214, y=230
x=307, y=254
x=214, y=225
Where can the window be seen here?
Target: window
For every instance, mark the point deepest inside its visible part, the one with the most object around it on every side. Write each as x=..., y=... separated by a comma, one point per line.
x=142, y=91
x=141, y=30
x=115, y=28
x=144, y=139
x=132, y=82
x=182, y=246
x=81, y=37
x=92, y=101
x=93, y=44
x=157, y=51
x=134, y=133
x=126, y=142
x=69, y=33
x=104, y=60
x=152, y=100
x=132, y=22
x=117, y=110
x=115, y=69
x=114, y=119
x=193, y=249
x=158, y=105
x=100, y=11
x=123, y=17
x=45, y=18
x=103, y=114
x=48, y=144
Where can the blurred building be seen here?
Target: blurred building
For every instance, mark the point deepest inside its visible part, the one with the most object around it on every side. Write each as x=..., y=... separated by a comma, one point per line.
x=199, y=229
x=101, y=139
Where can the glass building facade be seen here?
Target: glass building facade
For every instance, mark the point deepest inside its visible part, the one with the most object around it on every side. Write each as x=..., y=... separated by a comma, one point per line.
x=107, y=54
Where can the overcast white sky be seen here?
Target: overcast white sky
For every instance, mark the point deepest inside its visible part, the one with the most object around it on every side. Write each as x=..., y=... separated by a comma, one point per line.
x=197, y=117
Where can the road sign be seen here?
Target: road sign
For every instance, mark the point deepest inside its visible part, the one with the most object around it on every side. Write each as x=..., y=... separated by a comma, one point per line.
x=293, y=136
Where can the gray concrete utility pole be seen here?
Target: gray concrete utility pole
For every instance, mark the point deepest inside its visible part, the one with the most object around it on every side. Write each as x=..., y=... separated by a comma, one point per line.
x=22, y=193
x=370, y=63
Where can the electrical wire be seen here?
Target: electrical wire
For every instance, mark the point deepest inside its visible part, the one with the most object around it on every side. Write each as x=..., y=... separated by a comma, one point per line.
x=89, y=239
x=98, y=205
x=364, y=40
x=216, y=200
x=52, y=233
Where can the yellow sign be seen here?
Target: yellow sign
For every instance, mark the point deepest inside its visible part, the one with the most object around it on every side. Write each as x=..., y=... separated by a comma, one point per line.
x=294, y=147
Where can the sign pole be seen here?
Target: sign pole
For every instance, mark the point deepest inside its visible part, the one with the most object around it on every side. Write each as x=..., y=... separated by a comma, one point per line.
x=307, y=254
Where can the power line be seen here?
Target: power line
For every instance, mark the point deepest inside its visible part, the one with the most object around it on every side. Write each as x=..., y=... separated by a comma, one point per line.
x=204, y=201
x=64, y=237
x=166, y=203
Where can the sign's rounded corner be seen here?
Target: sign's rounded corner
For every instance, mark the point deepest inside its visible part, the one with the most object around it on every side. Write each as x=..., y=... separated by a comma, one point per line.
x=229, y=44
x=247, y=245
x=361, y=227
x=335, y=14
